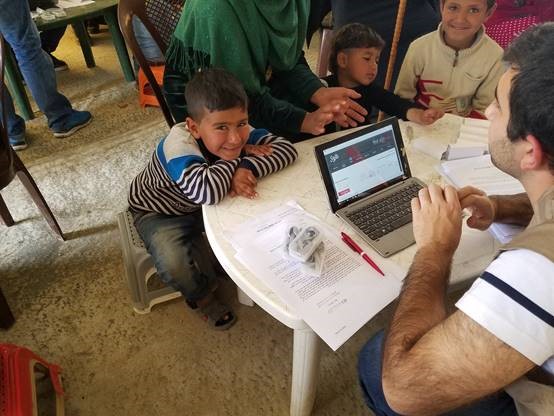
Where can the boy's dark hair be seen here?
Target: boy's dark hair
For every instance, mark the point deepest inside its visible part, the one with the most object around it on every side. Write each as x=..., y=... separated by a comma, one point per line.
x=490, y=4
x=532, y=90
x=353, y=35
x=213, y=89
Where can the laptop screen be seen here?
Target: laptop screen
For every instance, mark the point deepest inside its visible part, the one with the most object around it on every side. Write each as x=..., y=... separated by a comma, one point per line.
x=361, y=163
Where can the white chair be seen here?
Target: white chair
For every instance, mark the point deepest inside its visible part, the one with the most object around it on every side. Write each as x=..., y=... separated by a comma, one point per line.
x=139, y=268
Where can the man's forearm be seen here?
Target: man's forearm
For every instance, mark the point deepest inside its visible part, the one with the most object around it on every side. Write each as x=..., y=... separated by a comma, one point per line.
x=512, y=209
x=421, y=304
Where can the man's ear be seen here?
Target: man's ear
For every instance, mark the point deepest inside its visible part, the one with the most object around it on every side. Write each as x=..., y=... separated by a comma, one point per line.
x=193, y=127
x=342, y=60
x=533, y=154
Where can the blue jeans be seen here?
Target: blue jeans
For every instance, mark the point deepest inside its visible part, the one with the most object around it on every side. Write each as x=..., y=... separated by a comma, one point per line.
x=21, y=33
x=182, y=256
x=369, y=372
x=146, y=42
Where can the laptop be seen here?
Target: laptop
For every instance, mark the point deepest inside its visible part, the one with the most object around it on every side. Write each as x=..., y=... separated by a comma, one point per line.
x=369, y=185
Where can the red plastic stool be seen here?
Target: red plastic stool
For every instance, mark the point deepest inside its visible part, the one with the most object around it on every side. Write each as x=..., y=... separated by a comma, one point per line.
x=18, y=391
x=146, y=94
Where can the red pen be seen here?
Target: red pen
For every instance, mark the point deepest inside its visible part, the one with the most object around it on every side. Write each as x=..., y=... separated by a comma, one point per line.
x=352, y=244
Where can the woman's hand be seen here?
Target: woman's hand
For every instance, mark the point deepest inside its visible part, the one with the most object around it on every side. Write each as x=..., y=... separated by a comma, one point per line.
x=315, y=122
x=353, y=112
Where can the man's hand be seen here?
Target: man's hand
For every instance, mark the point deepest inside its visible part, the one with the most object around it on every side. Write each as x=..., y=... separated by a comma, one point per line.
x=425, y=117
x=243, y=184
x=482, y=208
x=258, y=149
x=437, y=218
x=352, y=114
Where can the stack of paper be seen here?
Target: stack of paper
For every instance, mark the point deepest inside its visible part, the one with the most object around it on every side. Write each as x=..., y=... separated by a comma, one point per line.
x=472, y=141
x=334, y=304
x=474, y=130
x=480, y=173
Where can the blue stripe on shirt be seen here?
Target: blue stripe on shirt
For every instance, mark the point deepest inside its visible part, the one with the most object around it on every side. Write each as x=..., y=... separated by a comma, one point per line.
x=178, y=165
x=519, y=298
x=256, y=135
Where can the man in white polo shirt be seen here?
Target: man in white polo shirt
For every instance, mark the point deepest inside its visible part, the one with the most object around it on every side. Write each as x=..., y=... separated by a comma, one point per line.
x=495, y=354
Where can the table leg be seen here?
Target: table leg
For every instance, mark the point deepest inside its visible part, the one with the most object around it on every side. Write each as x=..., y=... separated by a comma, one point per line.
x=6, y=316
x=81, y=33
x=305, y=370
x=244, y=299
x=111, y=19
x=16, y=86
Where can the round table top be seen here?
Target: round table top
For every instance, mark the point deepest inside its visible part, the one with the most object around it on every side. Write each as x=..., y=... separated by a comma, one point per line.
x=302, y=183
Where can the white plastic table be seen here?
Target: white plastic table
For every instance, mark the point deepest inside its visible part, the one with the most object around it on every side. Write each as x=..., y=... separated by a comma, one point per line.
x=302, y=182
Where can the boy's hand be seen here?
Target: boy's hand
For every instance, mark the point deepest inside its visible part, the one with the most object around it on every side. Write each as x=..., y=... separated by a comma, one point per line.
x=258, y=149
x=353, y=112
x=243, y=184
x=425, y=117
x=315, y=122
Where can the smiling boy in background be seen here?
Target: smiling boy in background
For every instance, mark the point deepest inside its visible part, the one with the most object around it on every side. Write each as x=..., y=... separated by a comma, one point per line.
x=456, y=67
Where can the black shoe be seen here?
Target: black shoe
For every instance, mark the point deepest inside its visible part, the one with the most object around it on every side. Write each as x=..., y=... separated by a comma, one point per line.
x=59, y=65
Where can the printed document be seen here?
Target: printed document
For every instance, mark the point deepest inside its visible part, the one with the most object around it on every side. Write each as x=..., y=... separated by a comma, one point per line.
x=334, y=304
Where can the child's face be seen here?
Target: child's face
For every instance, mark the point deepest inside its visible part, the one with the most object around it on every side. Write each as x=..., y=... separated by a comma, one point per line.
x=224, y=133
x=359, y=65
x=462, y=19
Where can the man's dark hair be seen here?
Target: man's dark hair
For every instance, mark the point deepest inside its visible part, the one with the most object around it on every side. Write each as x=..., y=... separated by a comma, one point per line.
x=532, y=90
x=213, y=89
x=353, y=35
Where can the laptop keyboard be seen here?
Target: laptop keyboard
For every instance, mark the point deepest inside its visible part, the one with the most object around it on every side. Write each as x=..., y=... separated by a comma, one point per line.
x=386, y=215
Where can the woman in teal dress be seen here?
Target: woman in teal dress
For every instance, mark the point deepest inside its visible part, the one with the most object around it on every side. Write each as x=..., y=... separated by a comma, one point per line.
x=260, y=42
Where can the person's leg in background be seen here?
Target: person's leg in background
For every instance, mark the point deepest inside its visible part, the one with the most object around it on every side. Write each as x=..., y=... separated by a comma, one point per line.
x=36, y=67
x=369, y=373
x=15, y=124
x=50, y=39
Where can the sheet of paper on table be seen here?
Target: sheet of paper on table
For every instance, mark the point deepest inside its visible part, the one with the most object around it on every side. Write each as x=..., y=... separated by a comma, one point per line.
x=335, y=304
x=67, y=4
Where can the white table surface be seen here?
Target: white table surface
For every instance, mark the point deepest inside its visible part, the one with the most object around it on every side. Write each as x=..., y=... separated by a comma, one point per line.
x=302, y=182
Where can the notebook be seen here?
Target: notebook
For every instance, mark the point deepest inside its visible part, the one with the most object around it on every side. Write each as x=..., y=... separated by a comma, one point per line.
x=369, y=185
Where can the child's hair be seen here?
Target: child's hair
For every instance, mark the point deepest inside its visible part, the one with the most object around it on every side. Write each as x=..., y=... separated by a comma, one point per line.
x=213, y=89
x=490, y=4
x=353, y=35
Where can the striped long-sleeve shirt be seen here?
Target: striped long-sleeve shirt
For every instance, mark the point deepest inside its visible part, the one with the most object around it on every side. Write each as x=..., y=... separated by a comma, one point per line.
x=179, y=179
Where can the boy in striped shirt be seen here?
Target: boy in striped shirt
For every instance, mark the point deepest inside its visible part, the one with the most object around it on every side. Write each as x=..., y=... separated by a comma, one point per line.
x=213, y=153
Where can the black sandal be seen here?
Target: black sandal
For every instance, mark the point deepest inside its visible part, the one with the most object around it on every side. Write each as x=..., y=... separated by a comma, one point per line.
x=217, y=315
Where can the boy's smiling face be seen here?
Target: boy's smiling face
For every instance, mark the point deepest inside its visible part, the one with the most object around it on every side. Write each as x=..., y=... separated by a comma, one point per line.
x=224, y=133
x=358, y=66
x=462, y=19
